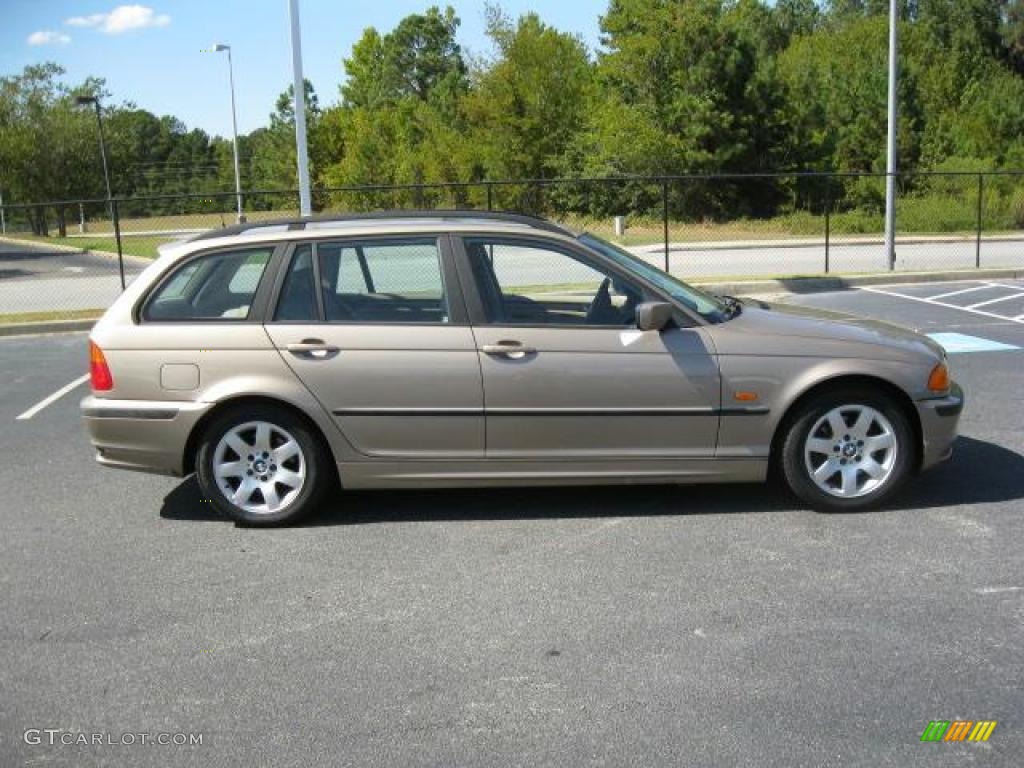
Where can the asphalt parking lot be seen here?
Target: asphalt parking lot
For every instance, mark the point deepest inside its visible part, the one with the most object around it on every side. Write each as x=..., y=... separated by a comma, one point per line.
x=626, y=626
x=38, y=279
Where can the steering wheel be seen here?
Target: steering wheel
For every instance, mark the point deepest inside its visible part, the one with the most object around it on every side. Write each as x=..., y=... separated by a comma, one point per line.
x=338, y=309
x=601, y=306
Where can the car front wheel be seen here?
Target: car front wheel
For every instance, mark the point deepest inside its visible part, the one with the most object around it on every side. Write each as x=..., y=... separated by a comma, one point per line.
x=848, y=450
x=261, y=466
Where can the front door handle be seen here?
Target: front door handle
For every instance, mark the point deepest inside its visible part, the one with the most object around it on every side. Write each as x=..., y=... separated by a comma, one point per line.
x=313, y=349
x=514, y=350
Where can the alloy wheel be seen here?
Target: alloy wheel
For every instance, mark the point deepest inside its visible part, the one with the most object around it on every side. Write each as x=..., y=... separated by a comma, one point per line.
x=851, y=451
x=259, y=467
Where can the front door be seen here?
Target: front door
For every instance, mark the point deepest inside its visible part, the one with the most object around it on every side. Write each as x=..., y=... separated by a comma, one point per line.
x=384, y=345
x=566, y=373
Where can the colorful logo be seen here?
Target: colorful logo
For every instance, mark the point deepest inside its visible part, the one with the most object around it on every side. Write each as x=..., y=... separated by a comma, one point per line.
x=958, y=730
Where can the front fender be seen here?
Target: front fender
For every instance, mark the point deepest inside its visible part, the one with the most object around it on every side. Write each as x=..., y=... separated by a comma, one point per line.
x=779, y=382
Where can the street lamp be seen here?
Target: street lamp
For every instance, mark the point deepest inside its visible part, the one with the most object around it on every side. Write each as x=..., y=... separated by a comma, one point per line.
x=94, y=100
x=234, y=128
x=299, y=96
x=890, y=152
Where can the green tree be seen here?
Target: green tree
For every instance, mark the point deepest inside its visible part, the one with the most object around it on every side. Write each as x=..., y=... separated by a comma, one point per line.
x=837, y=86
x=48, y=145
x=401, y=115
x=1012, y=32
x=271, y=151
x=420, y=58
x=530, y=101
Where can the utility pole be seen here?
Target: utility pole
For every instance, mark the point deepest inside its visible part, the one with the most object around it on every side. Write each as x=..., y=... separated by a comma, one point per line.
x=82, y=101
x=890, y=160
x=299, y=85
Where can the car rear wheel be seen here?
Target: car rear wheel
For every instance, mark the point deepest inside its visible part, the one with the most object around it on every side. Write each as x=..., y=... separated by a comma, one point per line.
x=261, y=466
x=848, y=450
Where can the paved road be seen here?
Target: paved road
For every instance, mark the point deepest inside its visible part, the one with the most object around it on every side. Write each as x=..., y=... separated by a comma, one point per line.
x=694, y=262
x=36, y=278
x=627, y=626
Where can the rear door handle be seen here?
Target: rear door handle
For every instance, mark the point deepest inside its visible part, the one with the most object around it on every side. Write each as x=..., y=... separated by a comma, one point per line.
x=513, y=350
x=313, y=349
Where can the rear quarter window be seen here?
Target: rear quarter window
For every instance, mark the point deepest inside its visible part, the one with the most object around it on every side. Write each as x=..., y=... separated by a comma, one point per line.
x=218, y=286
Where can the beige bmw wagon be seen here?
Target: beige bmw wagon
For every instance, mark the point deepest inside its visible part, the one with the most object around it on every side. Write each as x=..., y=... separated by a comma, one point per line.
x=283, y=361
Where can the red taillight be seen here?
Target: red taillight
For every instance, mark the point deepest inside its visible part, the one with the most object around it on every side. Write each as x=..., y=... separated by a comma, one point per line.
x=99, y=373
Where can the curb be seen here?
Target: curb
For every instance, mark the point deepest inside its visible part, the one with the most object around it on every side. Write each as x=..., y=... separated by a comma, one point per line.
x=46, y=326
x=128, y=257
x=825, y=283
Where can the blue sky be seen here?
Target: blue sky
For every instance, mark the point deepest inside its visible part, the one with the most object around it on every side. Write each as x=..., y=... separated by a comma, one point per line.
x=149, y=51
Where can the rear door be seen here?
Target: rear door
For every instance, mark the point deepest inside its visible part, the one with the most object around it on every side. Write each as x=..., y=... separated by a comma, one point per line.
x=377, y=329
x=566, y=373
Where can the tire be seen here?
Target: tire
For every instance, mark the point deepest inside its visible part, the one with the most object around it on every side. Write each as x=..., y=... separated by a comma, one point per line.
x=272, y=453
x=860, y=468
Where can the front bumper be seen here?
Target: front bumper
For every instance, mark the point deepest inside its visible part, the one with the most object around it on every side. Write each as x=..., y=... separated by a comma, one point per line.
x=939, y=419
x=141, y=435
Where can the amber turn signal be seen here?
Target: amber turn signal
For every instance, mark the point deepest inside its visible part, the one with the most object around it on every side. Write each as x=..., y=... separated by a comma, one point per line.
x=938, y=381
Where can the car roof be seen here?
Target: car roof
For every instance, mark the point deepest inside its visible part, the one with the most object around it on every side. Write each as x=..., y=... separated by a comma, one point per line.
x=376, y=224
x=385, y=222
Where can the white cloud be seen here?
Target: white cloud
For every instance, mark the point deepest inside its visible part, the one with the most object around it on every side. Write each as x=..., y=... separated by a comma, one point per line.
x=48, y=37
x=86, y=21
x=122, y=19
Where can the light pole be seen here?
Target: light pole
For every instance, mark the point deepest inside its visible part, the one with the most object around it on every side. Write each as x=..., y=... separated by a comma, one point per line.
x=299, y=84
x=234, y=129
x=890, y=155
x=94, y=100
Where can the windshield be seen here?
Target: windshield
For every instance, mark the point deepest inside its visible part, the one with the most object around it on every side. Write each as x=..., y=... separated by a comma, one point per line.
x=704, y=304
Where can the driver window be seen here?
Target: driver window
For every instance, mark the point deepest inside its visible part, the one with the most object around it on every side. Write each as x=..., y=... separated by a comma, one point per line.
x=526, y=284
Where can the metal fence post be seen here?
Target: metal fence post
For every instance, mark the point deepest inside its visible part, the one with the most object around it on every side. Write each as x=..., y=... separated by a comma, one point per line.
x=977, y=240
x=828, y=217
x=490, y=194
x=664, y=220
x=3, y=215
x=117, y=238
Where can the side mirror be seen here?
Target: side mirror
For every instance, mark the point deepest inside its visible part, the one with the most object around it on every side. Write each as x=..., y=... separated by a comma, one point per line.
x=653, y=315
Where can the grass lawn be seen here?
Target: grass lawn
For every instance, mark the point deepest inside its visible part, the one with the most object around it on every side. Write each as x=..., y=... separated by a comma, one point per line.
x=58, y=314
x=144, y=247
x=183, y=221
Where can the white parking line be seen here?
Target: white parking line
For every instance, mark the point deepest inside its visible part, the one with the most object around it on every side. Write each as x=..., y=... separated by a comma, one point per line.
x=995, y=301
x=52, y=398
x=962, y=290
x=934, y=303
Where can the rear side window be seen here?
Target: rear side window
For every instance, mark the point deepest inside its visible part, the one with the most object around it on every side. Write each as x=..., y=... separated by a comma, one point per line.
x=220, y=286
x=382, y=282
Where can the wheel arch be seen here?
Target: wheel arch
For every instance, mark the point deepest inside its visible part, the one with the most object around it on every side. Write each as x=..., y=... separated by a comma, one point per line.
x=192, y=443
x=842, y=381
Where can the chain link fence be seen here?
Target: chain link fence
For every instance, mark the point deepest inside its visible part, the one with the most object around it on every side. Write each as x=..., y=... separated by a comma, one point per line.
x=69, y=259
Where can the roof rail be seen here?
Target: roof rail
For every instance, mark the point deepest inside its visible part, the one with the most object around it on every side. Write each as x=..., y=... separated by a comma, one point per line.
x=299, y=223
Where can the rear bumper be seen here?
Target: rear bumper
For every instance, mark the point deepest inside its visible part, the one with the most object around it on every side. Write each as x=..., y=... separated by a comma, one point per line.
x=141, y=435
x=939, y=420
